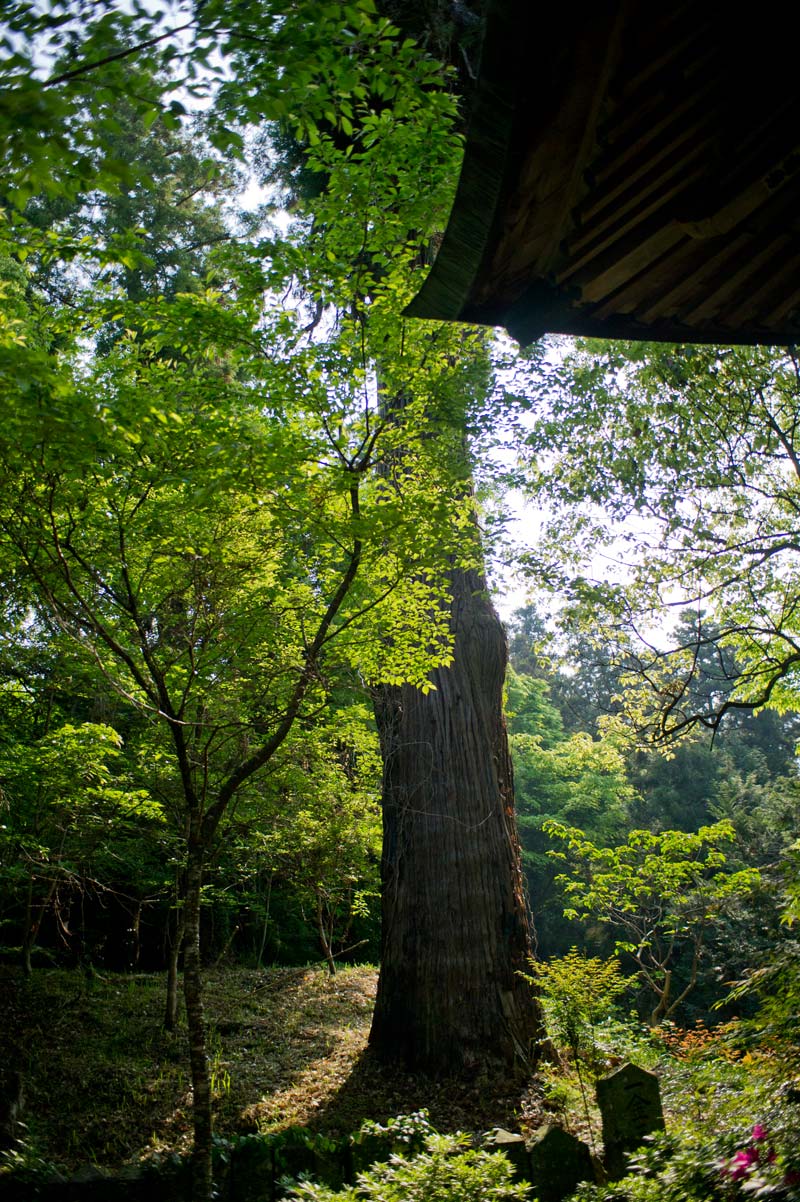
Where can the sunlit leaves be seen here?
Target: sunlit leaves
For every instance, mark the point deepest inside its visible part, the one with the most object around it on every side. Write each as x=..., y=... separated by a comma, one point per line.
x=190, y=500
x=61, y=63
x=67, y=794
x=672, y=477
x=657, y=891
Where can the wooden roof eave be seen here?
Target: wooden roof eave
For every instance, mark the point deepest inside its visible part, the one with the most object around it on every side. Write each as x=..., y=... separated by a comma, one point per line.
x=627, y=175
x=500, y=111
x=491, y=130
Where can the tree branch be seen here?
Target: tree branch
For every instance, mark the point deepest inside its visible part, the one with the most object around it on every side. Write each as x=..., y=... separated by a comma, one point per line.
x=76, y=72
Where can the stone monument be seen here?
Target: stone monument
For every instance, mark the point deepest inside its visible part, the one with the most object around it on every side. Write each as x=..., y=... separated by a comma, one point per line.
x=559, y=1162
x=630, y=1106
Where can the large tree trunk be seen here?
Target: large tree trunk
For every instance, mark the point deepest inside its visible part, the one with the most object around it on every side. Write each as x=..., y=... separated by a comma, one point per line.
x=455, y=927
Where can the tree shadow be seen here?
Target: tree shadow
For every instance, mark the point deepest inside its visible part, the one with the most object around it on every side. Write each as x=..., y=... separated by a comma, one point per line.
x=313, y=1067
x=377, y=1090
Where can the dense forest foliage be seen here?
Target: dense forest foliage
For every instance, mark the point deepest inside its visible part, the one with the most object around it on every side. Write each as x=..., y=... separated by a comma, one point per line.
x=237, y=489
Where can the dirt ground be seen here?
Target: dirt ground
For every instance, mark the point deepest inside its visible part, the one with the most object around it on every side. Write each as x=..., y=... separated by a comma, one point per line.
x=105, y=1084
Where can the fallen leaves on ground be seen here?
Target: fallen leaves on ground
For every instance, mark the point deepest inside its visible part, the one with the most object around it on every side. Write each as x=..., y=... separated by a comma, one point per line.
x=105, y=1084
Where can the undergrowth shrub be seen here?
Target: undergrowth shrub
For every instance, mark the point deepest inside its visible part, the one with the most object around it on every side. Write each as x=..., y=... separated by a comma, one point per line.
x=446, y=1170
x=742, y=1161
x=579, y=994
x=405, y=1132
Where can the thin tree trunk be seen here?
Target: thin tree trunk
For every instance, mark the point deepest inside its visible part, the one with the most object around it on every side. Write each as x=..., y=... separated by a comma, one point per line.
x=265, y=925
x=171, y=1008
x=136, y=933
x=29, y=932
x=33, y=920
x=324, y=936
x=195, y=1021
x=228, y=944
x=455, y=931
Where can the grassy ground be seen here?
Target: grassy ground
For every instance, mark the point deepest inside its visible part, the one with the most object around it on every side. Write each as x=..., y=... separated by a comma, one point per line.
x=104, y=1083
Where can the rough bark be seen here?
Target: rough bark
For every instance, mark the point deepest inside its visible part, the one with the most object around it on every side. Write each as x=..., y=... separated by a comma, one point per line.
x=455, y=926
